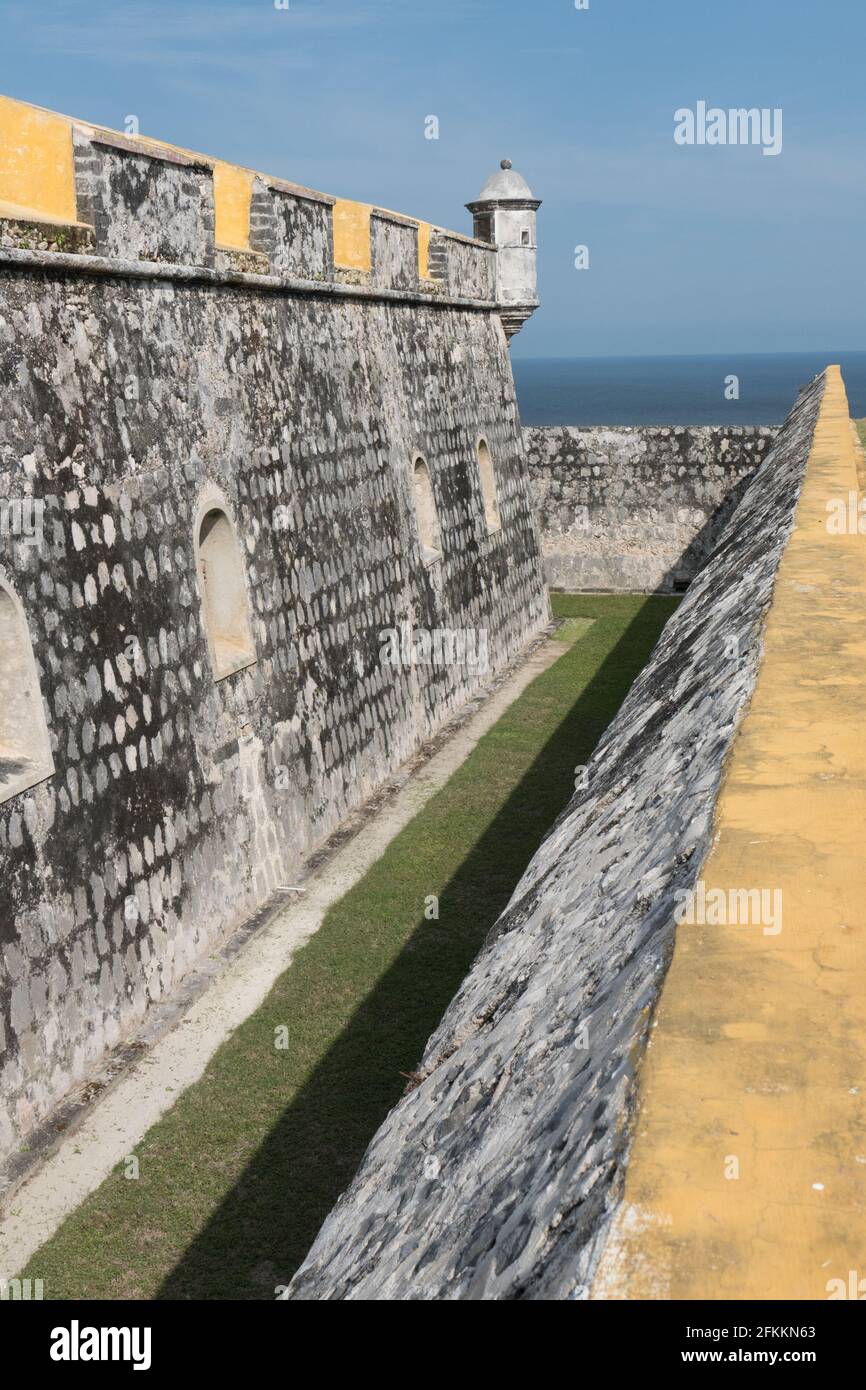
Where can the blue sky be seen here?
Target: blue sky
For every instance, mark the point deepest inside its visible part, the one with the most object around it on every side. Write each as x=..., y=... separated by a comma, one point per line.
x=692, y=250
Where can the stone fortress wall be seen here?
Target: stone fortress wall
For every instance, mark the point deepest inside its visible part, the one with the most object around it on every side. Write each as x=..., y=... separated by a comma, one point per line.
x=637, y=509
x=501, y=1171
x=246, y=429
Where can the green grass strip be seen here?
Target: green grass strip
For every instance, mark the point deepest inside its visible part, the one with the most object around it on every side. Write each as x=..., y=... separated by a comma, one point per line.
x=237, y=1178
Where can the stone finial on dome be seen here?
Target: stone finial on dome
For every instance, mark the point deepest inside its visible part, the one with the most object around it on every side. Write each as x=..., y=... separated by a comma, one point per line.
x=505, y=184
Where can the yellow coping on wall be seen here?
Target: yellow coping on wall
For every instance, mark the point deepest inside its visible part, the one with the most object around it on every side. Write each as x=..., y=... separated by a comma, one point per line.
x=233, y=195
x=37, y=181
x=352, y=248
x=747, y=1177
x=37, y=177
x=424, y=230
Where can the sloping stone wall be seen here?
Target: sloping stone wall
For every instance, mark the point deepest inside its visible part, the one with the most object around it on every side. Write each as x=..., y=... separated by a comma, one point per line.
x=636, y=509
x=496, y=1177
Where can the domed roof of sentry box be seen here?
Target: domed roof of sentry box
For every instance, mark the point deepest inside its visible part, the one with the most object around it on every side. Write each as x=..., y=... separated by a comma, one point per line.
x=505, y=183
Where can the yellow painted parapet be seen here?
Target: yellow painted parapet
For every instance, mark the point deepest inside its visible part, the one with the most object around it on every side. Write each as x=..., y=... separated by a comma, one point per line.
x=233, y=192
x=37, y=174
x=747, y=1175
x=424, y=231
x=352, y=248
x=37, y=182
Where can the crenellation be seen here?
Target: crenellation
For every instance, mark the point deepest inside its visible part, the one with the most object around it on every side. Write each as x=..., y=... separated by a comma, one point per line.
x=293, y=228
x=139, y=202
x=465, y=264
x=394, y=251
x=142, y=202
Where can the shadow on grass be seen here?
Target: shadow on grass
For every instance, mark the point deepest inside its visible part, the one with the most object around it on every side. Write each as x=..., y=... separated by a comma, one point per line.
x=261, y=1231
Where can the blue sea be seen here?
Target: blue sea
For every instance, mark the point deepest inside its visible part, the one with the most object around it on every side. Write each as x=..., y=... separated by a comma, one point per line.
x=675, y=390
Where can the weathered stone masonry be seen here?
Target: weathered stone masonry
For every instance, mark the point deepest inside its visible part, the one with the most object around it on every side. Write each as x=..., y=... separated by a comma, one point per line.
x=636, y=509
x=145, y=372
x=497, y=1176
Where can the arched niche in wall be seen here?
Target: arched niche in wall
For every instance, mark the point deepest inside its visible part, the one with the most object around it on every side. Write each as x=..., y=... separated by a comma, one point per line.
x=25, y=746
x=425, y=512
x=487, y=478
x=223, y=584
